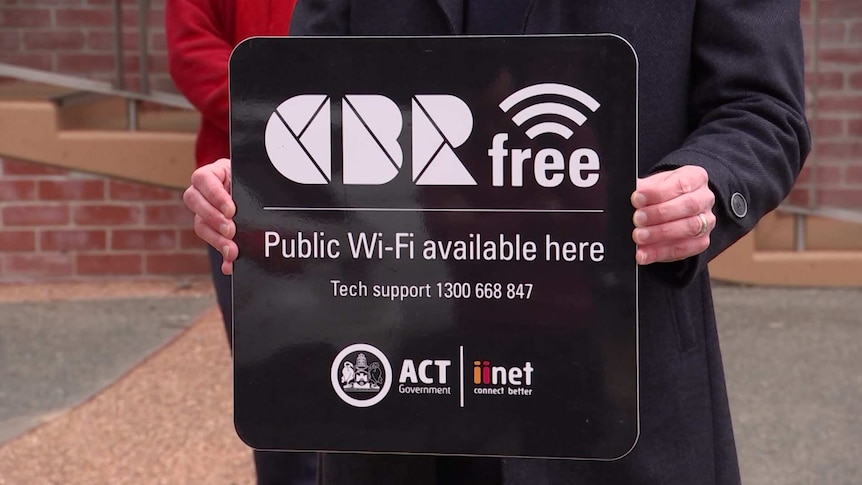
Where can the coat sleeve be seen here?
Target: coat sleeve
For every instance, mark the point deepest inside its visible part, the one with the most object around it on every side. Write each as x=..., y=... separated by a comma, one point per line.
x=199, y=47
x=746, y=106
x=321, y=17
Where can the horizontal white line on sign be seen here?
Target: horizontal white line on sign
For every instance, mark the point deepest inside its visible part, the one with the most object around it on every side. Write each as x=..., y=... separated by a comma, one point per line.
x=430, y=209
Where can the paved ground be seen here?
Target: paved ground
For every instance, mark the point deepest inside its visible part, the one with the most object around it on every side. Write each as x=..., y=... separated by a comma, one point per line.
x=167, y=420
x=56, y=354
x=793, y=359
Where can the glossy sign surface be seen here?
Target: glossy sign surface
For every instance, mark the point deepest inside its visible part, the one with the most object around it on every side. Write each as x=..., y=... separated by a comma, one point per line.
x=435, y=245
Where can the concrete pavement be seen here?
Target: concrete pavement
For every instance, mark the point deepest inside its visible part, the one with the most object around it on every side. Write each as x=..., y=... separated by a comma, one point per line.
x=793, y=359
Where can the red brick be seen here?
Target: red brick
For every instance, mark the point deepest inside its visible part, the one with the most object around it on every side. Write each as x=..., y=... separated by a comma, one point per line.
x=11, y=241
x=109, y=264
x=72, y=189
x=829, y=81
x=805, y=9
x=854, y=128
x=85, y=17
x=158, y=42
x=73, y=240
x=855, y=81
x=832, y=32
x=44, y=3
x=38, y=265
x=104, y=41
x=829, y=128
x=85, y=63
x=828, y=32
x=15, y=167
x=826, y=174
x=846, y=198
x=190, y=240
x=107, y=215
x=132, y=191
x=33, y=61
x=35, y=215
x=101, y=3
x=855, y=34
x=9, y=41
x=25, y=17
x=177, y=263
x=130, y=18
x=840, y=150
x=840, y=104
x=148, y=239
x=54, y=41
x=842, y=56
x=840, y=9
x=168, y=214
x=12, y=190
x=854, y=174
x=157, y=63
x=156, y=17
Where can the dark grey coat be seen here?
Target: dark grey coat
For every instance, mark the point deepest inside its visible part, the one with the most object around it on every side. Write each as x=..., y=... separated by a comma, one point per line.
x=721, y=86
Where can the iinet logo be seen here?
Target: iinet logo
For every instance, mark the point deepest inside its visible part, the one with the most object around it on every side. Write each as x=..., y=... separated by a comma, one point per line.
x=298, y=139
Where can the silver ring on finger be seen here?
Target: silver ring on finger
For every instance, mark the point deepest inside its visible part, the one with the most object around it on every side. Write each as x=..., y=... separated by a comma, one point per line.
x=704, y=225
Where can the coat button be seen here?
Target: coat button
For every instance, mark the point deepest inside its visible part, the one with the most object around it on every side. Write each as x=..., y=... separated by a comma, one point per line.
x=739, y=205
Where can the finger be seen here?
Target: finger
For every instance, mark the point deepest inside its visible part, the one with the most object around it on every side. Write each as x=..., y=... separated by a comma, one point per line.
x=228, y=249
x=208, y=214
x=672, y=251
x=686, y=228
x=687, y=205
x=212, y=182
x=665, y=186
x=227, y=268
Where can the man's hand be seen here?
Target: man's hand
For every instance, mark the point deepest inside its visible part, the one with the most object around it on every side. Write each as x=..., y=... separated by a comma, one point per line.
x=209, y=198
x=673, y=216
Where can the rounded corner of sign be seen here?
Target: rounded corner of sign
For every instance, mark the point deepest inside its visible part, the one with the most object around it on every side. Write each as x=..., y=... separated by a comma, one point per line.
x=623, y=42
x=243, y=45
x=246, y=439
x=630, y=448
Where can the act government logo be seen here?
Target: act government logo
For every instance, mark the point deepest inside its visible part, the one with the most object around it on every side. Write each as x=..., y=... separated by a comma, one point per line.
x=361, y=375
x=298, y=138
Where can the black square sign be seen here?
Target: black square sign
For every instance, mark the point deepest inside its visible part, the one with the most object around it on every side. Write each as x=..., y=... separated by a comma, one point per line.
x=435, y=245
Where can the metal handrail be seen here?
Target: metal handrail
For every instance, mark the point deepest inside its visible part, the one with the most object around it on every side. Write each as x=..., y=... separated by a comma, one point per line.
x=830, y=212
x=119, y=69
x=118, y=89
x=802, y=213
x=88, y=85
x=143, y=47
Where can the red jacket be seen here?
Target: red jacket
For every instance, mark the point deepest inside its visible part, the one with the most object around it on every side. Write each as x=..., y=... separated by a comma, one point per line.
x=201, y=35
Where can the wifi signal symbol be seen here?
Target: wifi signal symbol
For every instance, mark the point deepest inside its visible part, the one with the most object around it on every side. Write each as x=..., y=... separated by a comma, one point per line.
x=549, y=108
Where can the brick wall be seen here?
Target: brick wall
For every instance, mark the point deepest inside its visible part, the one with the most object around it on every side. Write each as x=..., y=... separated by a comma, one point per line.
x=60, y=224
x=835, y=167
x=76, y=37
x=57, y=224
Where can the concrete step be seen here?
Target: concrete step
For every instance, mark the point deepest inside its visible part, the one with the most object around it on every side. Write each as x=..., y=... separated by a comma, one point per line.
x=35, y=130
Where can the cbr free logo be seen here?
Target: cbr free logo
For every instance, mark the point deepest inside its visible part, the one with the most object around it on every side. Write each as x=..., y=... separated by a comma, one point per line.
x=298, y=139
